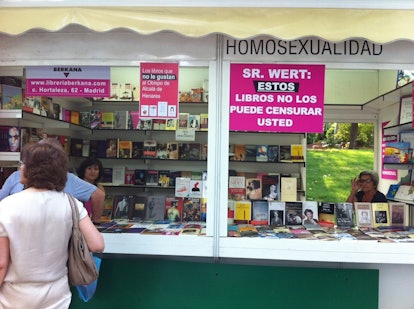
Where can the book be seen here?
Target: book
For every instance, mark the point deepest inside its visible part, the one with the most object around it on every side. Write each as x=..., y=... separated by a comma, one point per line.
x=397, y=152
x=171, y=124
x=124, y=149
x=399, y=214
x=149, y=149
x=276, y=214
x=118, y=175
x=271, y=187
x=253, y=188
x=121, y=207
x=285, y=153
x=10, y=139
x=191, y=229
x=405, y=193
x=159, y=124
x=363, y=214
x=288, y=189
x=293, y=213
x=121, y=120
x=107, y=175
x=76, y=145
x=134, y=116
x=203, y=122
x=164, y=178
x=344, y=215
x=94, y=119
x=86, y=146
x=11, y=97
x=310, y=215
x=111, y=150
x=107, y=120
x=260, y=212
x=151, y=178
x=296, y=153
x=392, y=191
x=194, y=151
x=145, y=124
x=183, y=121
x=173, y=209
x=273, y=153
x=250, y=153
x=326, y=214
x=380, y=214
x=191, y=209
x=261, y=153
x=101, y=148
x=248, y=230
x=194, y=122
x=137, y=209
x=239, y=152
x=155, y=207
x=182, y=186
x=237, y=189
x=139, y=177
x=129, y=176
x=107, y=208
x=196, y=188
x=242, y=211
x=203, y=152
x=172, y=151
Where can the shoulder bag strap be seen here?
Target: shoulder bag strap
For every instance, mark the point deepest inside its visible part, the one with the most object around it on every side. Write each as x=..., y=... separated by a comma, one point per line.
x=75, y=212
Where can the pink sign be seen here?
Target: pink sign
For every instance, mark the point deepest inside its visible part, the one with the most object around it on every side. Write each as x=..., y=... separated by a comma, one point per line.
x=159, y=90
x=277, y=98
x=391, y=174
x=68, y=81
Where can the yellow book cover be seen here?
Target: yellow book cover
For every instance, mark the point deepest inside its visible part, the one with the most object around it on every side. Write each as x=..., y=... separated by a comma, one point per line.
x=74, y=117
x=203, y=122
x=171, y=125
x=380, y=214
x=124, y=149
x=296, y=153
x=242, y=211
x=107, y=120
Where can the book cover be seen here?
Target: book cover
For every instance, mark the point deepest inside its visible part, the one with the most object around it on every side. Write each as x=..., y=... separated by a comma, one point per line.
x=191, y=209
x=363, y=214
x=191, y=229
x=145, y=124
x=242, y=212
x=271, y=187
x=118, y=175
x=173, y=177
x=250, y=153
x=101, y=148
x=172, y=151
x=296, y=153
x=239, y=152
x=121, y=120
x=273, y=153
x=129, y=176
x=203, y=210
x=260, y=212
x=276, y=214
x=380, y=214
x=196, y=188
x=137, y=209
x=399, y=213
x=94, y=119
x=76, y=145
x=326, y=214
x=151, y=178
x=288, y=189
x=204, y=122
x=344, y=215
x=86, y=147
x=194, y=151
x=124, y=149
x=84, y=119
x=107, y=175
x=111, y=150
x=162, y=152
x=285, y=153
x=253, y=188
x=248, y=230
x=139, y=177
x=397, y=152
x=149, y=149
x=405, y=193
x=137, y=150
x=182, y=186
x=173, y=209
x=293, y=213
x=261, y=153
x=171, y=124
x=159, y=124
x=203, y=152
x=11, y=97
x=164, y=178
x=107, y=120
x=134, y=116
x=121, y=207
x=237, y=188
x=194, y=122
x=107, y=208
x=392, y=191
x=183, y=121
x=310, y=214
x=10, y=139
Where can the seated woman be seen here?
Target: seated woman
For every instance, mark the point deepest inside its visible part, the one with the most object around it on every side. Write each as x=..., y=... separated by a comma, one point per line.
x=91, y=170
x=364, y=189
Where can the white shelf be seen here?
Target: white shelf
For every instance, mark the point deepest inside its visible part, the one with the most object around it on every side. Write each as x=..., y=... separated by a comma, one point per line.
x=11, y=113
x=349, y=251
x=124, y=243
x=10, y=156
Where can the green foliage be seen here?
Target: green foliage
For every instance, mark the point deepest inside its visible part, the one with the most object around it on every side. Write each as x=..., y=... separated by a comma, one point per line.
x=329, y=172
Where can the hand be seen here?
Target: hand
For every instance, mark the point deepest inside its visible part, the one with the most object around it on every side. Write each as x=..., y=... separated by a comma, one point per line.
x=355, y=184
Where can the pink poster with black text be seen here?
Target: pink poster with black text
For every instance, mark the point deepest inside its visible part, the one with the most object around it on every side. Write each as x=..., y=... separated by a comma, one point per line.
x=277, y=98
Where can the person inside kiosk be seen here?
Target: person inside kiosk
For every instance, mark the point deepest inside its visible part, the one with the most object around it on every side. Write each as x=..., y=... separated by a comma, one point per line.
x=364, y=189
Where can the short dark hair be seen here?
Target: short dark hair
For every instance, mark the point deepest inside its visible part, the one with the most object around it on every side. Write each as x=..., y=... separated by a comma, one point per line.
x=308, y=210
x=90, y=162
x=45, y=166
